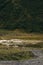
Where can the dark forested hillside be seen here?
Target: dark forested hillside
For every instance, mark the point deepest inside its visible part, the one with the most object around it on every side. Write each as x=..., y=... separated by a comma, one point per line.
x=21, y=14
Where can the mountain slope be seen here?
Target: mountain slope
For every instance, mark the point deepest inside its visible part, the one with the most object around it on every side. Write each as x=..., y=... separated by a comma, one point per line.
x=21, y=14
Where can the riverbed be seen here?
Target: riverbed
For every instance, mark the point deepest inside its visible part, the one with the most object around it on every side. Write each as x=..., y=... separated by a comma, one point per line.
x=37, y=52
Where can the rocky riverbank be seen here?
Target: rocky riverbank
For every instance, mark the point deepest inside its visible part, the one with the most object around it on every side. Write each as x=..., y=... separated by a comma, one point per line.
x=18, y=41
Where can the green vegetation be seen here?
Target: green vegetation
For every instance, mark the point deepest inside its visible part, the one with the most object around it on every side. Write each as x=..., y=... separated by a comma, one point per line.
x=37, y=45
x=18, y=34
x=20, y=19
x=10, y=53
x=22, y=52
x=22, y=14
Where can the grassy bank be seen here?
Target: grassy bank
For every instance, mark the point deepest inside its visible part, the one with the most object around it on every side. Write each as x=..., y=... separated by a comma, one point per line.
x=18, y=34
x=13, y=53
x=22, y=52
x=37, y=45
